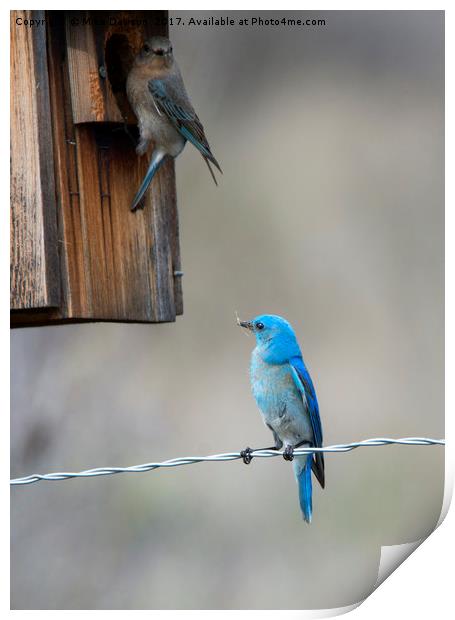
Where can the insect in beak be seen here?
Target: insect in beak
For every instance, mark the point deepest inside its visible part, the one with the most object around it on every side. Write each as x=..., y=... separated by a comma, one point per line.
x=245, y=324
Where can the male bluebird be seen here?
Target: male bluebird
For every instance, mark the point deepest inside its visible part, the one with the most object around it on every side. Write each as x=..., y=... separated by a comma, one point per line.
x=285, y=395
x=165, y=115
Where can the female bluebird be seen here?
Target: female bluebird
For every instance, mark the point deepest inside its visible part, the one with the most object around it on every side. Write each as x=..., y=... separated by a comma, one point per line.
x=165, y=115
x=285, y=395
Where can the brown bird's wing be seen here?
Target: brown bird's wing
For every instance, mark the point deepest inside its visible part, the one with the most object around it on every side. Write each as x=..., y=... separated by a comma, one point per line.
x=170, y=101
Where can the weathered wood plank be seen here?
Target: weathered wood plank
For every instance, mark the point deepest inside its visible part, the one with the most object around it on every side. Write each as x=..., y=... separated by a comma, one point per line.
x=169, y=190
x=74, y=285
x=35, y=280
x=92, y=99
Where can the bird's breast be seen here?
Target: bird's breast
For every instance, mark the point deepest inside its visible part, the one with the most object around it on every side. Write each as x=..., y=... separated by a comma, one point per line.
x=279, y=400
x=272, y=384
x=153, y=124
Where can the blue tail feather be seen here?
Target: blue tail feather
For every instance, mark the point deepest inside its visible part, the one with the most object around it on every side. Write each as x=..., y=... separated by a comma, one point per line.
x=302, y=469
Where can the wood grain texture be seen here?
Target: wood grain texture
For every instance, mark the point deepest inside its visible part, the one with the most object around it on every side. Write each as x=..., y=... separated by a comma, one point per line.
x=97, y=69
x=115, y=265
x=91, y=98
x=35, y=279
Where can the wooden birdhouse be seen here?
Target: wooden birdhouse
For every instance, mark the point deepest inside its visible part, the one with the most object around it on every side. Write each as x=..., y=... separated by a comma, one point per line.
x=77, y=251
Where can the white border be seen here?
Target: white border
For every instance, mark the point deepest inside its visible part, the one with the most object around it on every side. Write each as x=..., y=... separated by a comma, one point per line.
x=423, y=585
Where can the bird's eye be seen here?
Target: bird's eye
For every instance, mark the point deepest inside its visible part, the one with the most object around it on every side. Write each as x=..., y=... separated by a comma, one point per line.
x=146, y=48
x=259, y=325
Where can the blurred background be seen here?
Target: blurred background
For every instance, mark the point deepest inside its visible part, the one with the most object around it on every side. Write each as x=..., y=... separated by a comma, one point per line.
x=330, y=213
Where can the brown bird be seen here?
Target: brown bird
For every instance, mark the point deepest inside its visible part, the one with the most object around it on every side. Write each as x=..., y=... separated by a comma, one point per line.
x=165, y=115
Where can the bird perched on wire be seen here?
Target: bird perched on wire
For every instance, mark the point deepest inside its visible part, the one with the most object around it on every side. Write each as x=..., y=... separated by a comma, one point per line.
x=285, y=395
x=165, y=115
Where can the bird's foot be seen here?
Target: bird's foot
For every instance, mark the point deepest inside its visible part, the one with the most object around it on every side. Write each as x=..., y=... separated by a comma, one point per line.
x=139, y=206
x=288, y=453
x=247, y=455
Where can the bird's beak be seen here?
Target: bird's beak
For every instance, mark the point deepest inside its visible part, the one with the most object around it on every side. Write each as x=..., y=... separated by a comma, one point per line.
x=245, y=324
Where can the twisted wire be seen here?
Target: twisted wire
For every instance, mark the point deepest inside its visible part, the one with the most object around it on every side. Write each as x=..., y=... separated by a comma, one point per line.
x=227, y=456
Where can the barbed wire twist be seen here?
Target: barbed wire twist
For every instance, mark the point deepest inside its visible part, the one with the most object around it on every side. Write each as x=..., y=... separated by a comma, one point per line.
x=228, y=456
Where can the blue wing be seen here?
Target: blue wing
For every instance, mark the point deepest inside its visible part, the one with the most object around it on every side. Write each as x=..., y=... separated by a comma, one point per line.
x=178, y=109
x=305, y=386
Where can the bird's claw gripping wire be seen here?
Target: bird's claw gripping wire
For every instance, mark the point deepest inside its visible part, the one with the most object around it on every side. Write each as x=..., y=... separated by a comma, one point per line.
x=247, y=455
x=288, y=453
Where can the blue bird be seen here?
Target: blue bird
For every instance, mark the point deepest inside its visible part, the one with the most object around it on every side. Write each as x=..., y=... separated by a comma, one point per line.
x=285, y=395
